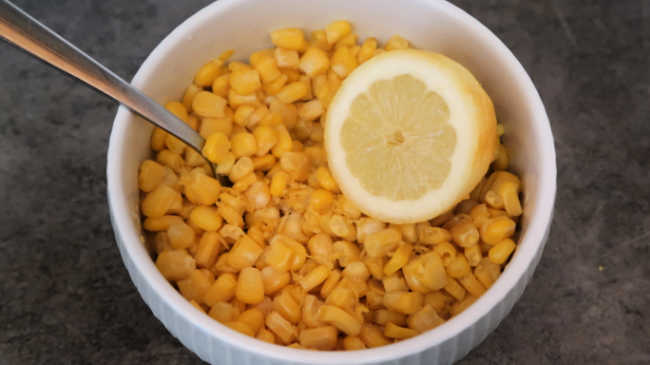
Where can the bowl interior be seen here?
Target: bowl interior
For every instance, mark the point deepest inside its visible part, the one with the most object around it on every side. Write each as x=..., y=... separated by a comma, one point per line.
x=434, y=25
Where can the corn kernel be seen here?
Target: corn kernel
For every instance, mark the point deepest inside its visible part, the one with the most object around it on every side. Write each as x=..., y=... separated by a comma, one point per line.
x=343, y=62
x=425, y=273
x=175, y=264
x=216, y=148
x=279, y=183
x=266, y=138
x=208, y=105
x=349, y=40
x=487, y=272
x=455, y=289
x=461, y=306
x=171, y=159
x=188, y=96
x=235, y=100
x=497, y=229
x=367, y=50
x=151, y=175
x=394, y=331
x=161, y=201
x=180, y=235
x=245, y=82
x=250, y=287
x=244, y=253
x=310, y=110
x=351, y=343
x=502, y=160
x=425, y=319
x=286, y=58
x=340, y=319
x=201, y=189
x=274, y=280
x=403, y=302
x=230, y=215
x=158, y=139
x=472, y=285
x=161, y=223
x=314, y=62
x=500, y=252
x=208, y=250
x=208, y=72
x=372, y=336
x=265, y=335
x=289, y=38
x=383, y=316
x=292, y=92
x=285, y=304
x=337, y=30
x=465, y=234
x=244, y=144
x=319, y=338
x=380, y=243
x=205, y=217
x=431, y=235
x=399, y=259
x=221, y=85
x=196, y=285
x=396, y=42
x=282, y=328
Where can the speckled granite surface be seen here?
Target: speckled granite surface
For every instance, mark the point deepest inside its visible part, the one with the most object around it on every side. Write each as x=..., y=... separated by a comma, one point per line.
x=65, y=297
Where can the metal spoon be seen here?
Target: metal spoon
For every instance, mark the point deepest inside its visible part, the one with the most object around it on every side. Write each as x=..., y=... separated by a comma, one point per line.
x=21, y=29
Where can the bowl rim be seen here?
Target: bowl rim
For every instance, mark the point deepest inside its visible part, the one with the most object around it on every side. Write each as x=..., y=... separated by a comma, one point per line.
x=132, y=245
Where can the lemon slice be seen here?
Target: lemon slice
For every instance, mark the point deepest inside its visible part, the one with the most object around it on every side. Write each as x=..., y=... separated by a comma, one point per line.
x=409, y=134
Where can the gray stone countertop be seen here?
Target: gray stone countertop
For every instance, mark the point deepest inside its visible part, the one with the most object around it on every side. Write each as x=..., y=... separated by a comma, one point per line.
x=66, y=298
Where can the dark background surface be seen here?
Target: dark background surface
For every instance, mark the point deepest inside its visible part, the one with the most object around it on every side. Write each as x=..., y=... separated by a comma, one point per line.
x=66, y=298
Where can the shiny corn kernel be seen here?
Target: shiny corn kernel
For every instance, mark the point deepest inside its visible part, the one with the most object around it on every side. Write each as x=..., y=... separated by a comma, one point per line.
x=151, y=175
x=321, y=200
x=209, y=248
x=286, y=58
x=394, y=331
x=244, y=253
x=161, y=201
x=292, y=92
x=500, y=252
x=472, y=285
x=399, y=259
x=279, y=183
x=314, y=62
x=497, y=229
x=403, y=301
x=180, y=235
x=340, y=319
x=216, y=148
x=289, y=38
x=208, y=105
x=245, y=82
x=337, y=30
x=424, y=319
x=266, y=138
x=425, y=273
x=367, y=50
x=380, y=243
x=282, y=328
x=175, y=264
x=205, y=217
x=188, y=96
x=243, y=144
x=208, y=72
x=343, y=62
x=196, y=285
x=465, y=234
x=319, y=338
x=250, y=287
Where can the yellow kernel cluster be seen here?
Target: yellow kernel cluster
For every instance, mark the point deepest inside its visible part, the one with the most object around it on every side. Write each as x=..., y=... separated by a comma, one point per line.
x=282, y=255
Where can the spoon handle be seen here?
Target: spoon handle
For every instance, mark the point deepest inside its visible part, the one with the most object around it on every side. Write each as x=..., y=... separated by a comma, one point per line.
x=21, y=29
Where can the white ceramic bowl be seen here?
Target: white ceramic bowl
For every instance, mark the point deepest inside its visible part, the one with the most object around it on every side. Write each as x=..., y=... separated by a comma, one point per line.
x=243, y=25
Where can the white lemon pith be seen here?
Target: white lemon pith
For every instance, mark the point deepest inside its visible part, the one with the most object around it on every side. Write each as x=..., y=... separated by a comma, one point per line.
x=409, y=134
